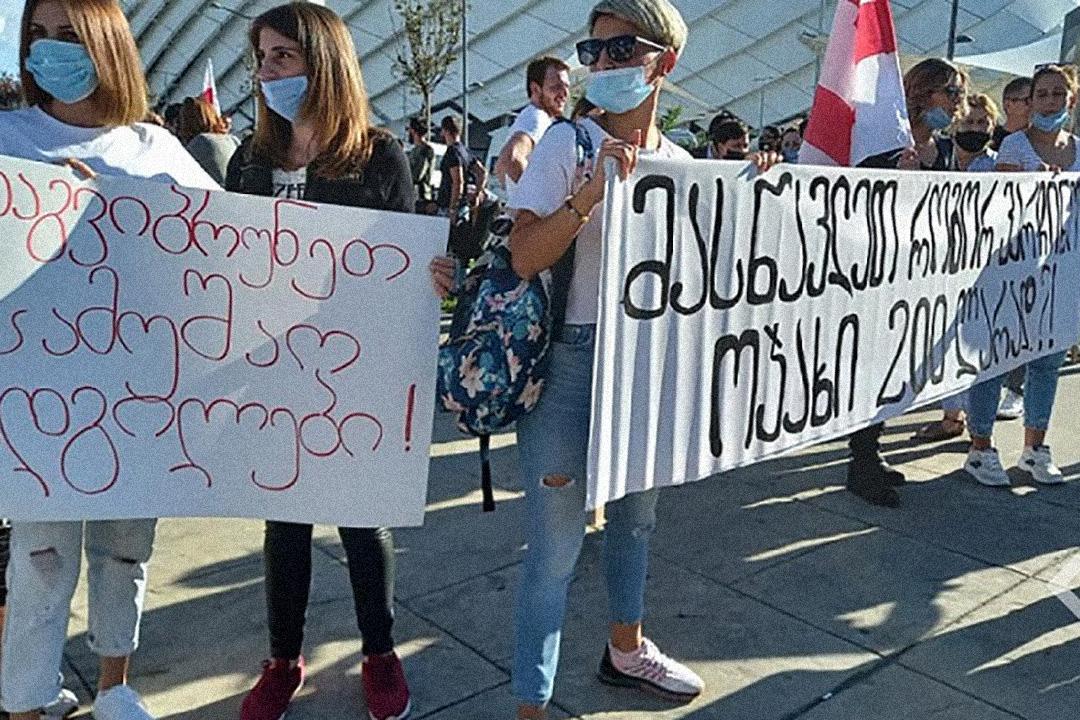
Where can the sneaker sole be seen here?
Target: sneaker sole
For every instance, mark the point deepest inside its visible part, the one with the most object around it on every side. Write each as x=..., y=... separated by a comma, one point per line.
x=403, y=716
x=1007, y=483
x=645, y=686
x=1055, y=481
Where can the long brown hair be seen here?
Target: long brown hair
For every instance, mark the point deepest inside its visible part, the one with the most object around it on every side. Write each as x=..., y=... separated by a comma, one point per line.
x=104, y=31
x=197, y=117
x=336, y=101
x=926, y=78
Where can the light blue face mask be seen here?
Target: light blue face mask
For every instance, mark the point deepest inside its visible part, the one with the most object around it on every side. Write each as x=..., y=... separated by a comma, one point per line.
x=285, y=95
x=620, y=90
x=937, y=118
x=791, y=155
x=1050, y=123
x=62, y=69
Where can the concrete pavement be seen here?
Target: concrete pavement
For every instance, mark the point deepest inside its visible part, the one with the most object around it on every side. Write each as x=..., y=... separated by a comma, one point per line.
x=792, y=598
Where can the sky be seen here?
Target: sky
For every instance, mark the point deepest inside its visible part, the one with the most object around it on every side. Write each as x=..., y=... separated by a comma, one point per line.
x=10, y=11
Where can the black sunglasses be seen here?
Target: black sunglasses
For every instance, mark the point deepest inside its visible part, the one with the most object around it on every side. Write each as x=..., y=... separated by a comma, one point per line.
x=954, y=92
x=619, y=48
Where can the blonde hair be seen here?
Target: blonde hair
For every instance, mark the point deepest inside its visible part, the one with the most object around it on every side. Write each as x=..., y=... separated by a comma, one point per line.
x=1066, y=72
x=197, y=117
x=336, y=102
x=986, y=104
x=927, y=77
x=658, y=20
x=121, y=93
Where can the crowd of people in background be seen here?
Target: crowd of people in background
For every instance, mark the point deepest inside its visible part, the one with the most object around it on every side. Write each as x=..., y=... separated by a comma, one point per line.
x=313, y=139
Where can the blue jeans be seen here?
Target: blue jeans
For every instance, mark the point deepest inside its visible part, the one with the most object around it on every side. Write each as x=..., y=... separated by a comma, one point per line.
x=959, y=401
x=553, y=440
x=1040, y=387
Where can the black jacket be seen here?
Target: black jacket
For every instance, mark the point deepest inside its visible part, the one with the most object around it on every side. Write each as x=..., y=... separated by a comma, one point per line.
x=383, y=183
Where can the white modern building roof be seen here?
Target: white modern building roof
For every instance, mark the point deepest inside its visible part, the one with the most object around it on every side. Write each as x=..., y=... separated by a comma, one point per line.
x=752, y=57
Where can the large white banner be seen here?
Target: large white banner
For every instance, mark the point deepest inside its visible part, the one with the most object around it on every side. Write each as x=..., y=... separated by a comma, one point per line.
x=743, y=316
x=175, y=352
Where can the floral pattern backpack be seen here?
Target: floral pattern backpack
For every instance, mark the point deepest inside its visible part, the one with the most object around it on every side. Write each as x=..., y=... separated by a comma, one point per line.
x=492, y=366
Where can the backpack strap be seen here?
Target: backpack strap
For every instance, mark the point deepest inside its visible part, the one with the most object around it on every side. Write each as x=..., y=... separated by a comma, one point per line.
x=562, y=271
x=485, y=473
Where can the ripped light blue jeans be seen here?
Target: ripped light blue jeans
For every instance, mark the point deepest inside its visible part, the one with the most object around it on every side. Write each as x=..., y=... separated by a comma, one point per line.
x=553, y=441
x=45, y=561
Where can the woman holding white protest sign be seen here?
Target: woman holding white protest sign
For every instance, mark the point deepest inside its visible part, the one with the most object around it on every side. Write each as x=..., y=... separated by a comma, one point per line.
x=1046, y=146
x=633, y=46
x=83, y=83
x=314, y=141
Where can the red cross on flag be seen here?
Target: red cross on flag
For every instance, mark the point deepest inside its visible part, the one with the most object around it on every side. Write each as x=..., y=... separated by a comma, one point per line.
x=859, y=108
x=209, y=91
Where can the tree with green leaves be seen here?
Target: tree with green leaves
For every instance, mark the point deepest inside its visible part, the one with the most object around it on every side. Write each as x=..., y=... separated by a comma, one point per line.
x=432, y=30
x=10, y=91
x=670, y=119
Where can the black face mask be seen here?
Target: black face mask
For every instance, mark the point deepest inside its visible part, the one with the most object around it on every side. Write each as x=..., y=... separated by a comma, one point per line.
x=972, y=141
x=734, y=155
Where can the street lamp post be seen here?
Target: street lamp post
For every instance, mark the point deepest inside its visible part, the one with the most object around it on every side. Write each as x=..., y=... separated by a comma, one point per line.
x=465, y=71
x=952, y=30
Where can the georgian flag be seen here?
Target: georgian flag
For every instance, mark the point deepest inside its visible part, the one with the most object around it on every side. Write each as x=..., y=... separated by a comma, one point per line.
x=209, y=91
x=859, y=108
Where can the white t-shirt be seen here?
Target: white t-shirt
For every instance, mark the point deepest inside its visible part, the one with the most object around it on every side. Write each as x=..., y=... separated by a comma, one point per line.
x=139, y=150
x=1016, y=149
x=531, y=121
x=552, y=175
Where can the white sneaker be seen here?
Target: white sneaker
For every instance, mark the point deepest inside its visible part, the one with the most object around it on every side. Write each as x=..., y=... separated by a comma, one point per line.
x=985, y=466
x=64, y=704
x=649, y=669
x=1011, y=406
x=1036, y=461
x=120, y=703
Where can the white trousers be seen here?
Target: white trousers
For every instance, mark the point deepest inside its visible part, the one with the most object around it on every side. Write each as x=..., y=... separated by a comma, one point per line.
x=41, y=578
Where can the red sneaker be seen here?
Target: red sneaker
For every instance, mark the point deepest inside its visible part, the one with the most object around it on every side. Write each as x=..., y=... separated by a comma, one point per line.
x=385, y=689
x=270, y=697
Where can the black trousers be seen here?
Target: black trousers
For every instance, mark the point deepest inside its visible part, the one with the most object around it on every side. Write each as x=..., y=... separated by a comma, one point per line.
x=865, y=444
x=5, y=534
x=370, y=554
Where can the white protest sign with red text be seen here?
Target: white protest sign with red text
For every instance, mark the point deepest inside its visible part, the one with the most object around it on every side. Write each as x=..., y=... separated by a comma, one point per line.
x=175, y=352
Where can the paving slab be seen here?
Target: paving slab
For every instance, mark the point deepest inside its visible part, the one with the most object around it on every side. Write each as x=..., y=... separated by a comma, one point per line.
x=729, y=527
x=1020, y=652
x=895, y=692
x=749, y=655
x=493, y=704
x=954, y=513
x=880, y=590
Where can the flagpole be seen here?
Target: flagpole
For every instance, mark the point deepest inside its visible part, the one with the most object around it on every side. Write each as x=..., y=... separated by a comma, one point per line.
x=465, y=71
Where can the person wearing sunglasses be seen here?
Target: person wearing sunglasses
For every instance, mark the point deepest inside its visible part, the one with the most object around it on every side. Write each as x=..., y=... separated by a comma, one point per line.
x=936, y=91
x=633, y=46
x=1017, y=106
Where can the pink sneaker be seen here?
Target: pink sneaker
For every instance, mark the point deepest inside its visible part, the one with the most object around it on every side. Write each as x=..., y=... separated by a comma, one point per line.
x=385, y=689
x=270, y=697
